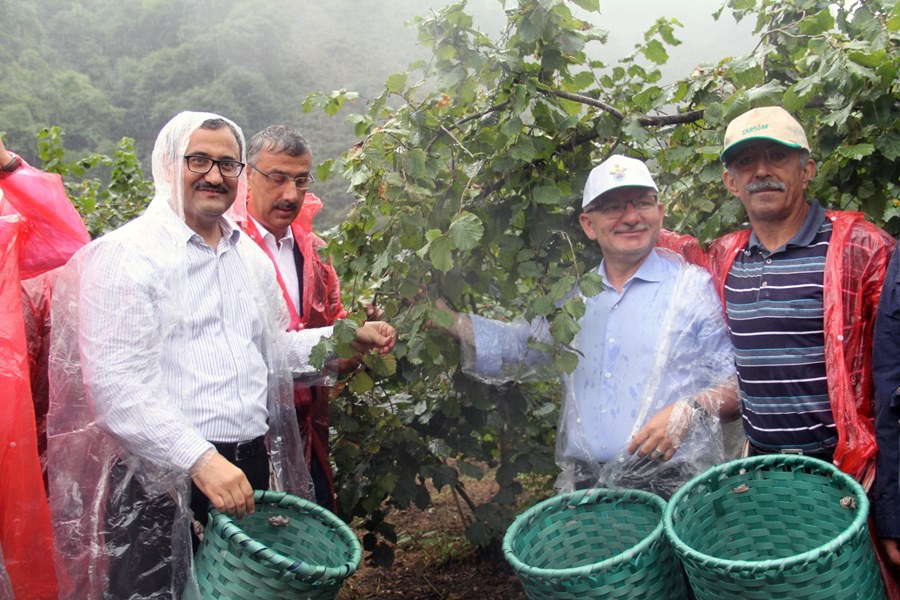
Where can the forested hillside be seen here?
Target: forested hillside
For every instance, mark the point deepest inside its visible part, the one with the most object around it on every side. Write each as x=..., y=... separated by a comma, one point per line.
x=104, y=69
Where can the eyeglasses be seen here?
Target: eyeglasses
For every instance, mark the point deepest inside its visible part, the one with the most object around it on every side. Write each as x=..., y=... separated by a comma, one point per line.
x=204, y=164
x=643, y=204
x=301, y=182
x=746, y=160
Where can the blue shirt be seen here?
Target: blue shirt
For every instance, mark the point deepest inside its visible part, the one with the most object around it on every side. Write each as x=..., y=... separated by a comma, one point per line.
x=663, y=338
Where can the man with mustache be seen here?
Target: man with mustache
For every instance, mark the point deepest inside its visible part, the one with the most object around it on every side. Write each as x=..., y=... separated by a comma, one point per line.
x=171, y=375
x=800, y=289
x=279, y=217
x=655, y=371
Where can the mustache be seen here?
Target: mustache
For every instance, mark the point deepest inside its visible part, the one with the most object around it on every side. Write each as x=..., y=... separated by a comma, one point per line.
x=204, y=186
x=767, y=184
x=286, y=205
x=632, y=228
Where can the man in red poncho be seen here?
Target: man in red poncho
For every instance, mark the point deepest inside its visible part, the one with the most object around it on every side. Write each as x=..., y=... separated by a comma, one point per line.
x=800, y=289
x=39, y=231
x=280, y=220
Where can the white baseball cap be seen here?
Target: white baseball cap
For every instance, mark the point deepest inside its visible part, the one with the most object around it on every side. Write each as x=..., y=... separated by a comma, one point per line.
x=615, y=172
x=771, y=123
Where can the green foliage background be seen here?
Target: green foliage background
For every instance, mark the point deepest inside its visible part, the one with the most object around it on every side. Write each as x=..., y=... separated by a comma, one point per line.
x=466, y=176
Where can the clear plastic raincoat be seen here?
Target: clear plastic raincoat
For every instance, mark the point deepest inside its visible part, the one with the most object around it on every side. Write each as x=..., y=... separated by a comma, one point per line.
x=135, y=280
x=679, y=351
x=321, y=306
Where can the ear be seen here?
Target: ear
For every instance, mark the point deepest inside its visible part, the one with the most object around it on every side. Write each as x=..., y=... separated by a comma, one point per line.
x=809, y=171
x=587, y=225
x=730, y=183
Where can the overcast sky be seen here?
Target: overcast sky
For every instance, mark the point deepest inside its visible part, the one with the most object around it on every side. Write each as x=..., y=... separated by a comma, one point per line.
x=704, y=40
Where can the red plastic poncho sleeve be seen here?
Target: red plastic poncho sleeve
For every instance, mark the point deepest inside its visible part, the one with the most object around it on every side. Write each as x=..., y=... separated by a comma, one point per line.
x=52, y=230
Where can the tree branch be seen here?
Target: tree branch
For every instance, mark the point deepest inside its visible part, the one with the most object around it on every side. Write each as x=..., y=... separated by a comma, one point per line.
x=688, y=117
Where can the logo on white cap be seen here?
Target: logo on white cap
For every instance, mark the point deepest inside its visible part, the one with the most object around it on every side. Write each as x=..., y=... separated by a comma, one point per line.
x=615, y=172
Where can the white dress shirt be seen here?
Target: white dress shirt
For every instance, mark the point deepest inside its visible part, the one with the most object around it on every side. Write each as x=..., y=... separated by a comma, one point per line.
x=283, y=251
x=175, y=339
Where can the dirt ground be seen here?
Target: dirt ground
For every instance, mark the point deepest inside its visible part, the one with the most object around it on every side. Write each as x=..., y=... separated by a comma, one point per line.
x=433, y=560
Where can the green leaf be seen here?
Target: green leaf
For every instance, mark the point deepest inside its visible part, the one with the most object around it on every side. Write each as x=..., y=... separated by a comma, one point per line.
x=466, y=231
x=591, y=284
x=396, y=83
x=589, y=5
x=564, y=328
x=361, y=383
x=546, y=194
x=656, y=52
x=414, y=163
x=856, y=151
x=440, y=318
x=440, y=254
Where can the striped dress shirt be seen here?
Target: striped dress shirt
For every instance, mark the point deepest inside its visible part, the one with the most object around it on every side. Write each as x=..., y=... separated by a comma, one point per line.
x=178, y=339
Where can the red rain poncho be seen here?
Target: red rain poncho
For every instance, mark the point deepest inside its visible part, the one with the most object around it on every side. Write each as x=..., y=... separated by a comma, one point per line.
x=39, y=231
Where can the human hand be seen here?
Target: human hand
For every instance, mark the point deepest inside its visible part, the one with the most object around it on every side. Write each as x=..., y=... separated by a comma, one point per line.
x=224, y=484
x=891, y=548
x=5, y=156
x=659, y=439
x=375, y=335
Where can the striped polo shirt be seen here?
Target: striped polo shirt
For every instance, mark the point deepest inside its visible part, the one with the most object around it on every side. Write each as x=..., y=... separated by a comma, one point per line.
x=774, y=304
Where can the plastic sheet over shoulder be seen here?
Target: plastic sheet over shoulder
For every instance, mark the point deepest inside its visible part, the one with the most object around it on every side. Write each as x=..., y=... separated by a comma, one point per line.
x=118, y=437
x=676, y=404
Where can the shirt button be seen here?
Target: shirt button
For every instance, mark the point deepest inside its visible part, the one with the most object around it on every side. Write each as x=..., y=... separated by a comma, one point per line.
x=840, y=338
x=578, y=420
x=607, y=375
x=765, y=284
x=612, y=340
x=768, y=261
x=615, y=306
x=603, y=446
x=603, y=411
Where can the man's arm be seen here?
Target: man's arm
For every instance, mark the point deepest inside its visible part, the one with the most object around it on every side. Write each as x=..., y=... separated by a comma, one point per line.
x=886, y=377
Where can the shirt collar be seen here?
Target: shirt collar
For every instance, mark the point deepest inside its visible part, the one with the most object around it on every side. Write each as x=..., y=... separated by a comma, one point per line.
x=804, y=235
x=269, y=237
x=650, y=270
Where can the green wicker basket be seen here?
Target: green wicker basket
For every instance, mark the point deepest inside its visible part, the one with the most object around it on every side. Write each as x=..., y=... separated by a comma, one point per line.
x=774, y=526
x=288, y=548
x=595, y=543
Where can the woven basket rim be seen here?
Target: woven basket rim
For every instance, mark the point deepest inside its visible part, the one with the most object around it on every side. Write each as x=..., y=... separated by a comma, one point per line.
x=728, y=468
x=580, y=497
x=230, y=530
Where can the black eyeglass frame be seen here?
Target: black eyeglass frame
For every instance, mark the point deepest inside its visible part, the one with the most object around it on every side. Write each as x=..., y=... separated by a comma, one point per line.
x=214, y=163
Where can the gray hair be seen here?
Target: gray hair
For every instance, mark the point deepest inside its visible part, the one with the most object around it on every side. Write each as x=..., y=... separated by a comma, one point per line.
x=278, y=139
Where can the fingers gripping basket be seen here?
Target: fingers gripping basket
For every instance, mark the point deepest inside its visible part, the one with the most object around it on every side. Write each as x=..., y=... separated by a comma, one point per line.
x=288, y=548
x=774, y=526
x=596, y=543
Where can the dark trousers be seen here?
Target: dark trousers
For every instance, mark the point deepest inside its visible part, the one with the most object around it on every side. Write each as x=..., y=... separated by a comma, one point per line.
x=138, y=537
x=139, y=529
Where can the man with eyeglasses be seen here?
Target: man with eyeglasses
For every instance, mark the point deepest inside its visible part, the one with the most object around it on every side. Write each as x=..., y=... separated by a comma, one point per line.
x=800, y=288
x=171, y=377
x=655, y=372
x=279, y=215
